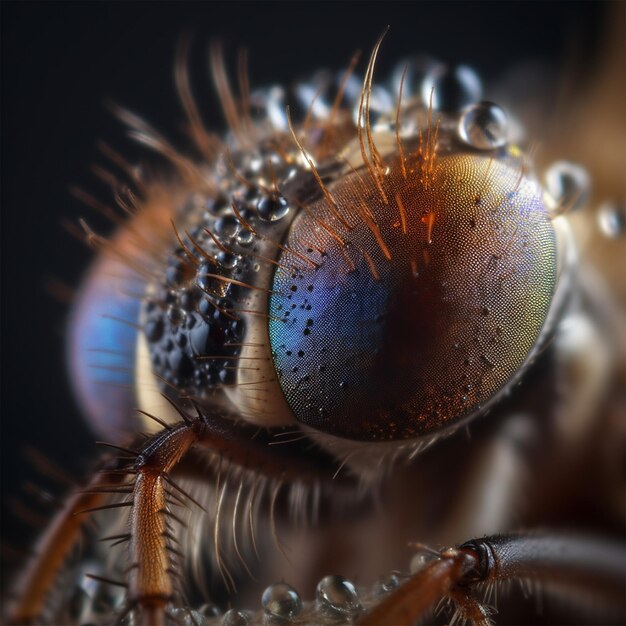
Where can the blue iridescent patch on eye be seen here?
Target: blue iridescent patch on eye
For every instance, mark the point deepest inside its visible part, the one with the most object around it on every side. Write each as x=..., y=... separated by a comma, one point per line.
x=415, y=319
x=325, y=336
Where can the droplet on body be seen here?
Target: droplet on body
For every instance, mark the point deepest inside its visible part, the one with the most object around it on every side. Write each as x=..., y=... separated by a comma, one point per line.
x=611, y=220
x=227, y=227
x=226, y=260
x=209, y=610
x=388, y=584
x=567, y=186
x=483, y=126
x=188, y=617
x=269, y=103
x=245, y=237
x=236, y=617
x=272, y=207
x=421, y=559
x=417, y=68
x=452, y=88
x=282, y=601
x=339, y=595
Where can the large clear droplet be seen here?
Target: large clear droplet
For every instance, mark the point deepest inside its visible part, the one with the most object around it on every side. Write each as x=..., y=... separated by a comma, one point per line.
x=227, y=227
x=452, y=88
x=483, y=126
x=338, y=595
x=568, y=187
x=282, y=601
x=245, y=237
x=272, y=207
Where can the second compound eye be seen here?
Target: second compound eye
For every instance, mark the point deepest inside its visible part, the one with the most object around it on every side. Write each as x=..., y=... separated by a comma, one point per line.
x=429, y=294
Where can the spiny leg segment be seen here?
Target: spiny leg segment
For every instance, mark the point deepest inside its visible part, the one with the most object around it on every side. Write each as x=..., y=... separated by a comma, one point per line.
x=155, y=562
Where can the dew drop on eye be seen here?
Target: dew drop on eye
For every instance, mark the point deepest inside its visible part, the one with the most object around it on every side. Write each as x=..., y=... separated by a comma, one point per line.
x=483, y=126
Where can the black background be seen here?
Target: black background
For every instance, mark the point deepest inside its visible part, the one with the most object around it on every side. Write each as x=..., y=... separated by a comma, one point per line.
x=62, y=61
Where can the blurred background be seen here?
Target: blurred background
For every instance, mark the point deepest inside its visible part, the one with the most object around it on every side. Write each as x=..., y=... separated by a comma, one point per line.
x=62, y=61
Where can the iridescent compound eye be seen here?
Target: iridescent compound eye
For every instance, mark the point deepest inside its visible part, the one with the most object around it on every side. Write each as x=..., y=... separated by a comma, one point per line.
x=432, y=284
x=387, y=282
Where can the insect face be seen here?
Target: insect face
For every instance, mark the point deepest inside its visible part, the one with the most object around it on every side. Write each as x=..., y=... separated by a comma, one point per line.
x=325, y=288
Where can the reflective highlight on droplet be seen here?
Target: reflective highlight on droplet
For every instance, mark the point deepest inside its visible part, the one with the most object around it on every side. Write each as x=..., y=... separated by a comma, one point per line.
x=483, y=126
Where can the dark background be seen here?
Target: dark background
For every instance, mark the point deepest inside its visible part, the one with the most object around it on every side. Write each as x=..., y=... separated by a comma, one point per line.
x=62, y=61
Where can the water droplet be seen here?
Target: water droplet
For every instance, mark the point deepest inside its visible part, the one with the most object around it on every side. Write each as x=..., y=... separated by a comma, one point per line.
x=269, y=103
x=188, y=617
x=200, y=339
x=422, y=557
x=272, y=207
x=154, y=329
x=227, y=376
x=417, y=68
x=338, y=595
x=483, y=126
x=188, y=298
x=568, y=186
x=390, y=583
x=173, y=276
x=227, y=227
x=245, y=237
x=209, y=610
x=281, y=600
x=310, y=95
x=452, y=88
x=175, y=315
x=236, y=617
x=227, y=260
x=611, y=220
x=181, y=364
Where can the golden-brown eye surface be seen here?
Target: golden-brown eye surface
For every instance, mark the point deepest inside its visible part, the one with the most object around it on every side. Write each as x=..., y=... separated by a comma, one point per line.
x=430, y=291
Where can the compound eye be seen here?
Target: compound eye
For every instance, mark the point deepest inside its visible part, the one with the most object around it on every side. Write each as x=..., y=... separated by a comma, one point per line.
x=429, y=295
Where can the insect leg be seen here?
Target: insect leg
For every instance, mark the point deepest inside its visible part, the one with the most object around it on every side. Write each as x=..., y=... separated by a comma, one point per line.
x=585, y=566
x=155, y=561
x=54, y=547
x=423, y=590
